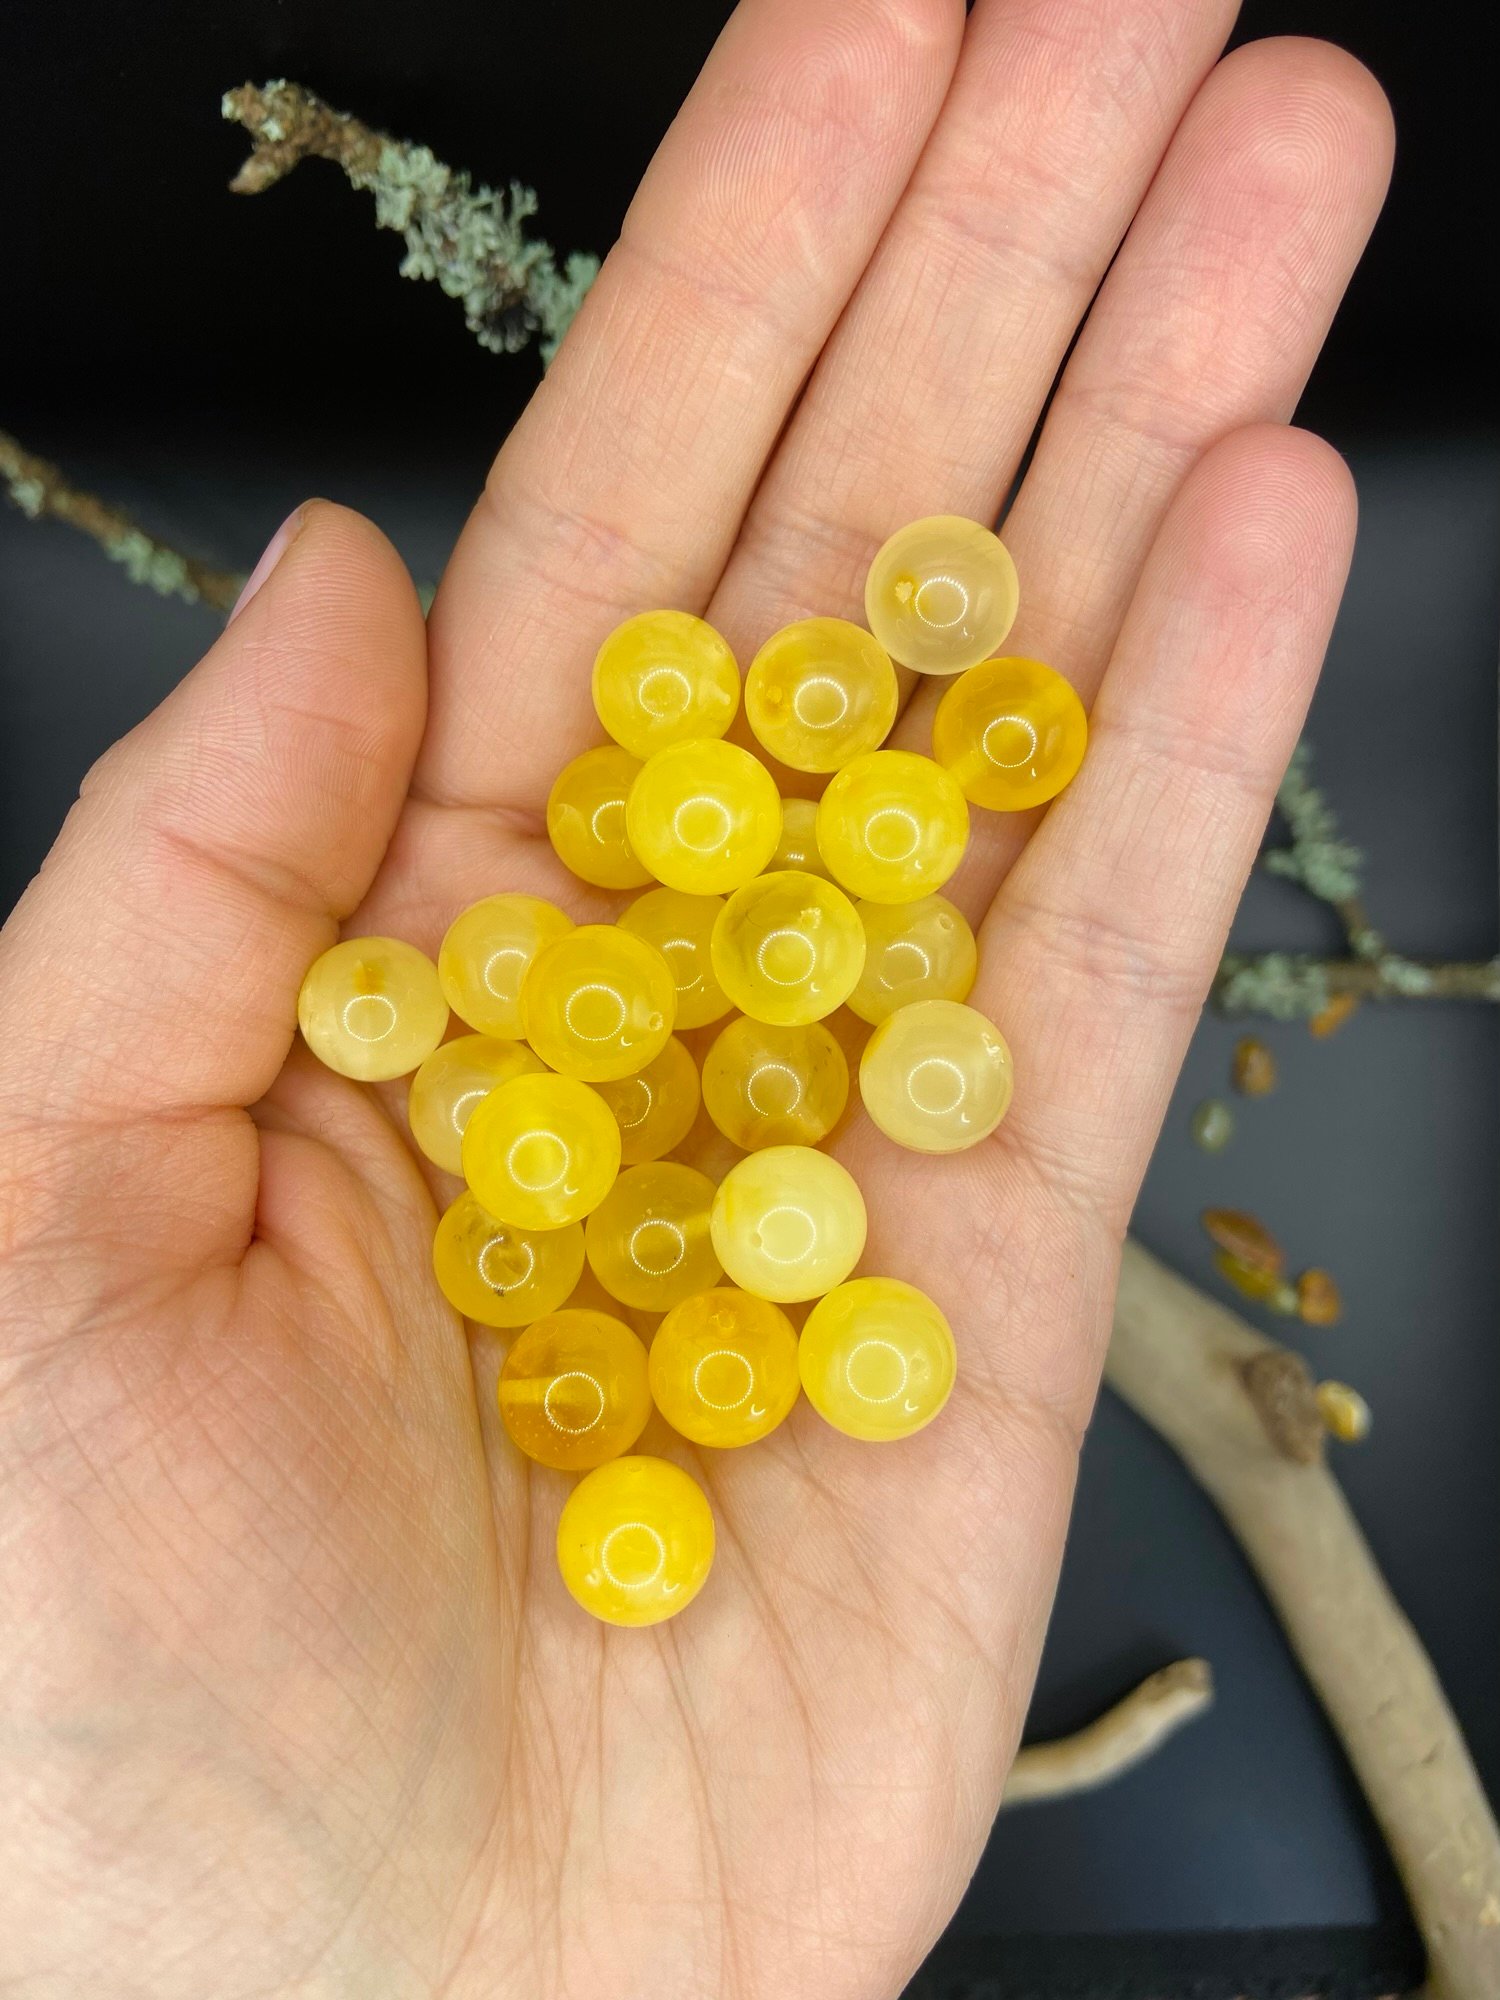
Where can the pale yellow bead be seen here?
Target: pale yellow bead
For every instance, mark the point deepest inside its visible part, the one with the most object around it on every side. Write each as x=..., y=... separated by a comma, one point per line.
x=820, y=692
x=913, y=951
x=681, y=928
x=451, y=1082
x=942, y=594
x=372, y=1008
x=662, y=677
x=798, y=845
x=485, y=956
x=877, y=1359
x=788, y=1223
x=788, y=948
x=936, y=1077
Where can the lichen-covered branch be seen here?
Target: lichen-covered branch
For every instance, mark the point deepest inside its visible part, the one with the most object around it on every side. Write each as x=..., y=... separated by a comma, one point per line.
x=42, y=492
x=471, y=240
x=1244, y=1414
x=1117, y=1741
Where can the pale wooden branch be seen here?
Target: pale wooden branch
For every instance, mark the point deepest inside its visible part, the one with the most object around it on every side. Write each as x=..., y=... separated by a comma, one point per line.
x=1224, y=1398
x=1117, y=1741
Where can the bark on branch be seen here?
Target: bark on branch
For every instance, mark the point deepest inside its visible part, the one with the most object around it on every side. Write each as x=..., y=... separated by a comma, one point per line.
x=1121, y=1738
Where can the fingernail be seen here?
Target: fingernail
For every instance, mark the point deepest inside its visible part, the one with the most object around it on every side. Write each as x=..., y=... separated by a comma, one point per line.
x=275, y=549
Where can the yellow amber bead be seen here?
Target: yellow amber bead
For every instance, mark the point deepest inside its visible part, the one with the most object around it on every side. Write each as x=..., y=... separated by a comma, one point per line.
x=788, y=948
x=681, y=928
x=1012, y=732
x=877, y=1359
x=892, y=826
x=936, y=1077
x=502, y=1276
x=485, y=955
x=598, y=1003
x=372, y=1008
x=941, y=594
x=724, y=1367
x=798, y=845
x=574, y=1390
x=788, y=1224
x=772, y=1086
x=913, y=951
x=820, y=692
x=648, y=1241
x=636, y=1541
x=541, y=1151
x=704, y=816
x=663, y=677
x=655, y=1108
x=586, y=818
x=451, y=1082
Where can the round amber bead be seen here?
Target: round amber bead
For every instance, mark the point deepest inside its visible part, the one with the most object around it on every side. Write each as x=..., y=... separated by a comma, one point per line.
x=663, y=677
x=451, y=1082
x=681, y=928
x=1012, y=732
x=773, y=1086
x=598, y=1003
x=798, y=845
x=913, y=951
x=936, y=1077
x=541, y=1151
x=941, y=594
x=788, y=1224
x=788, y=948
x=574, y=1390
x=635, y=1541
x=372, y=1008
x=502, y=1276
x=724, y=1367
x=877, y=1359
x=648, y=1241
x=586, y=818
x=892, y=826
x=704, y=816
x=655, y=1108
x=485, y=956
x=820, y=692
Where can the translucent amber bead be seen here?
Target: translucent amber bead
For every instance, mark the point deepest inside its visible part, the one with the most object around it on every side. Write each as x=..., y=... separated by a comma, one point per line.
x=798, y=845
x=788, y=1223
x=635, y=1541
x=942, y=594
x=892, y=826
x=484, y=958
x=1012, y=732
x=451, y=1082
x=704, y=816
x=574, y=1390
x=372, y=1008
x=648, y=1241
x=877, y=1358
x=586, y=818
x=663, y=677
x=724, y=1367
x=502, y=1276
x=598, y=1003
x=772, y=1086
x=681, y=928
x=820, y=692
x=541, y=1151
x=655, y=1108
x=788, y=948
x=913, y=951
x=936, y=1077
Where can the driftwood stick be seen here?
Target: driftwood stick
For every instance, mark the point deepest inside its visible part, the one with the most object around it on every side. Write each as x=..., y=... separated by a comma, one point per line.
x=1223, y=1397
x=1121, y=1738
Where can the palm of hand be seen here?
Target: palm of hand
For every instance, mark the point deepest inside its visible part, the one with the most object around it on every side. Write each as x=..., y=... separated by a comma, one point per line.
x=302, y=1704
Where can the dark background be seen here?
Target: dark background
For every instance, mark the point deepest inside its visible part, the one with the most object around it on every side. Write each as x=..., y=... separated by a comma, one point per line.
x=210, y=361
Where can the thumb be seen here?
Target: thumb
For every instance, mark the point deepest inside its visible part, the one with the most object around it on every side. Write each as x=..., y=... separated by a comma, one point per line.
x=151, y=969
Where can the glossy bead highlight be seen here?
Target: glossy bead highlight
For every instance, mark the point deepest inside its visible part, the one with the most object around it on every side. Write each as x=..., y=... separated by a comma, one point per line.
x=704, y=816
x=486, y=954
x=372, y=1008
x=1012, y=732
x=586, y=818
x=662, y=678
x=648, y=1241
x=498, y=1275
x=598, y=1003
x=636, y=1541
x=772, y=1086
x=655, y=1108
x=450, y=1084
x=936, y=1077
x=798, y=845
x=820, y=692
x=941, y=594
x=574, y=1390
x=913, y=951
x=541, y=1151
x=877, y=1359
x=681, y=928
x=788, y=948
x=788, y=1224
x=724, y=1367
x=892, y=826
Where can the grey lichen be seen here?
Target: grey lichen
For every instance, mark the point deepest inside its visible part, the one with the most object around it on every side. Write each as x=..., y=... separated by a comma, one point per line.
x=1289, y=986
x=1324, y=863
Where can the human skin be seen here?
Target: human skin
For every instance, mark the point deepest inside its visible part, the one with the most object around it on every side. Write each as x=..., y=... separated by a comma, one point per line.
x=294, y=1702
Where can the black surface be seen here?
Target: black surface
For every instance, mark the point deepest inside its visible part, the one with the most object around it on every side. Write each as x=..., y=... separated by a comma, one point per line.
x=211, y=362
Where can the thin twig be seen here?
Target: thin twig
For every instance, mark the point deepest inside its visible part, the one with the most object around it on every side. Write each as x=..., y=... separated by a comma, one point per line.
x=1117, y=1741
x=42, y=492
x=469, y=240
x=1244, y=1421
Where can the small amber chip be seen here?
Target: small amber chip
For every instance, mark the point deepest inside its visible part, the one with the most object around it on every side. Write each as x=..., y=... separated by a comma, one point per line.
x=1345, y=1413
x=1245, y=1239
x=1254, y=1068
x=1329, y=1019
x=1319, y=1301
x=1252, y=1281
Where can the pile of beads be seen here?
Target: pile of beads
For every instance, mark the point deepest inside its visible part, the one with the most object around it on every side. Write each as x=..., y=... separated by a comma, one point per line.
x=767, y=923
